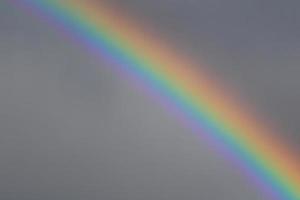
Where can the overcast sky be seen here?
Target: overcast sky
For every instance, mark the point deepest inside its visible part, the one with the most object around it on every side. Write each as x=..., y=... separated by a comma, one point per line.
x=71, y=129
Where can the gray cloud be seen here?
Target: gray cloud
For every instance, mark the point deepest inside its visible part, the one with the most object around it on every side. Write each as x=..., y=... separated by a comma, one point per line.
x=72, y=129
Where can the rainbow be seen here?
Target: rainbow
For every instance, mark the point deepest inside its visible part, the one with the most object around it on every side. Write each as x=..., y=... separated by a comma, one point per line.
x=200, y=99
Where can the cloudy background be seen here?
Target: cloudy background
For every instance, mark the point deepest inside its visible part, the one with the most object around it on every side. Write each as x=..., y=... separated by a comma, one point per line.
x=71, y=129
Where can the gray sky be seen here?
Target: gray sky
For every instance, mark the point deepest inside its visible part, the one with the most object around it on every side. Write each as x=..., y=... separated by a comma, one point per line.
x=254, y=45
x=71, y=129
